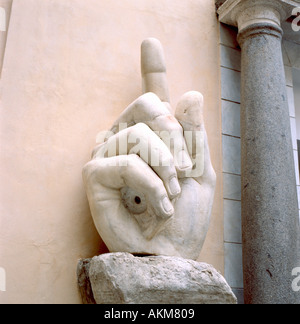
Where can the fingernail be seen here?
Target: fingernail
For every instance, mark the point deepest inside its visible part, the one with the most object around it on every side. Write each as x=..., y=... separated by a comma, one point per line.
x=167, y=206
x=184, y=160
x=174, y=186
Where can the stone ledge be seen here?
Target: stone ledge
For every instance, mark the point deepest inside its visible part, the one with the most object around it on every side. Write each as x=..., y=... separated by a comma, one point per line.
x=230, y=10
x=121, y=278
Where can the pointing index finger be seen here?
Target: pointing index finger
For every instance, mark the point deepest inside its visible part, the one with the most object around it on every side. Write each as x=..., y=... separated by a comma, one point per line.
x=153, y=68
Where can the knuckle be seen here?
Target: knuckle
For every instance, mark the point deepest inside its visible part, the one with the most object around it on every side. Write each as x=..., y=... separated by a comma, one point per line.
x=148, y=97
x=133, y=163
x=139, y=131
x=89, y=170
x=145, y=102
x=141, y=128
x=171, y=124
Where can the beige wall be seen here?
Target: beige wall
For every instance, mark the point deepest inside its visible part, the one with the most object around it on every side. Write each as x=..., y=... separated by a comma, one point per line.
x=71, y=67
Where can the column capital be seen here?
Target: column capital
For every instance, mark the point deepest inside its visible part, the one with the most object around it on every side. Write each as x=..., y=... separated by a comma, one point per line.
x=244, y=13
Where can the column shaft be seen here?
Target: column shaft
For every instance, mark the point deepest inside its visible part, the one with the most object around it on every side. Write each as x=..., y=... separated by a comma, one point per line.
x=269, y=198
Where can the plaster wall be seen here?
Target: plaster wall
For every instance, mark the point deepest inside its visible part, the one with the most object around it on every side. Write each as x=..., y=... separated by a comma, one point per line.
x=70, y=68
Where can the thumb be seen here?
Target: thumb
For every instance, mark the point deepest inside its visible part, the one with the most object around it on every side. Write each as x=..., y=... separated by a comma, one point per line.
x=189, y=113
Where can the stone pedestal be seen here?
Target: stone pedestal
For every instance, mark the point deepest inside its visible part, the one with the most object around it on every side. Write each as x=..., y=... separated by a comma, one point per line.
x=269, y=198
x=121, y=278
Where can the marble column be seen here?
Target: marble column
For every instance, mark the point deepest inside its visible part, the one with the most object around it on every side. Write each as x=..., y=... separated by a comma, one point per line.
x=270, y=220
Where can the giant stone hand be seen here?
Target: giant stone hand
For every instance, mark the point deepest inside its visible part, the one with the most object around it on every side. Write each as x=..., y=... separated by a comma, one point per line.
x=150, y=183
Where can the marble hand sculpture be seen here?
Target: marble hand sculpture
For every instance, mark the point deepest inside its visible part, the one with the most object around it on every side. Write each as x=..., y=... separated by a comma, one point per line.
x=150, y=183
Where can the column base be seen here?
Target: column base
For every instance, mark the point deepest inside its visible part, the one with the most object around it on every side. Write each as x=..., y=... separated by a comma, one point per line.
x=121, y=278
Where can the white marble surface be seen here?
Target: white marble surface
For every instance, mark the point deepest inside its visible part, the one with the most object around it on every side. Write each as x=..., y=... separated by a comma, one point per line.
x=231, y=186
x=234, y=265
x=231, y=118
x=231, y=89
x=231, y=154
x=151, y=184
x=230, y=58
x=232, y=221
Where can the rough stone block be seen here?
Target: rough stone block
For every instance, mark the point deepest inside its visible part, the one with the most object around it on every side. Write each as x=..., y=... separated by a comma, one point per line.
x=121, y=278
